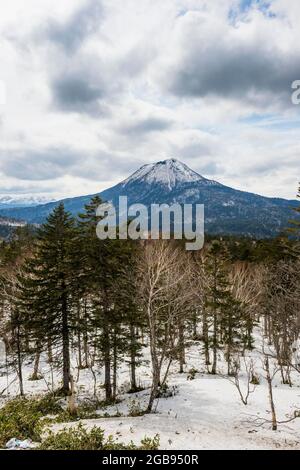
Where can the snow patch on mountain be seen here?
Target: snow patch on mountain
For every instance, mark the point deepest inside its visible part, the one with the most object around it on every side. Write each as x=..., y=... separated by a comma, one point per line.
x=23, y=200
x=4, y=221
x=168, y=173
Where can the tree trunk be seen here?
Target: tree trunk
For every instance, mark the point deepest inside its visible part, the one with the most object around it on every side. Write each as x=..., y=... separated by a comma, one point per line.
x=214, y=364
x=205, y=339
x=19, y=360
x=71, y=399
x=66, y=344
x=215, y=321
x=80, y=365
x=271, y=400
x=229, y=345
x=133, y=358
x=154, y=360
x=249, y=330
x=115, y=366
x=35, y=374
x=195, y=321
x=155, y=381
x=107, y=359
x=181, y=346
x=85, y=338
x=49, y=348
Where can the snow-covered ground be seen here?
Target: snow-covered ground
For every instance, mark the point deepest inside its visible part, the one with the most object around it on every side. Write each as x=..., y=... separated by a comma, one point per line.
x=205, y=413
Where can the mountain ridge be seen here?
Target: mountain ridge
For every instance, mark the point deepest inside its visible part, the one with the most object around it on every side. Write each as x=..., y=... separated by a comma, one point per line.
x=227, y=210
x=22, y=200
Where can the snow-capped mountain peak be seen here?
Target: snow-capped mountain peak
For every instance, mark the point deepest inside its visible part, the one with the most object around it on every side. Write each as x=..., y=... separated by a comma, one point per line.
x=227, y=211
x=167, y=173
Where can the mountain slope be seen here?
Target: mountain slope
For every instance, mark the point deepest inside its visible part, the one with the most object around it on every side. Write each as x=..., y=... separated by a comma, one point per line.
x=227, y=210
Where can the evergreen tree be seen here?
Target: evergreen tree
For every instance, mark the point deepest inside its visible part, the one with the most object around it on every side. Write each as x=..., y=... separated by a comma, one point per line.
x=96, y=281
x=215, y=293
x=295, y=229
x=294, y=232
x=13, y=330
x=232, y=328
x=47, y=289
x=224, y=310
x=108, y=282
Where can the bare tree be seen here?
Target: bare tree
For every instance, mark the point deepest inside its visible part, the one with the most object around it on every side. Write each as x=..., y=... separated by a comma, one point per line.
x=271, y=371
x=161, y=279
x=282, y=303
x=247, y=287
x=236, y=380
x=198, y=282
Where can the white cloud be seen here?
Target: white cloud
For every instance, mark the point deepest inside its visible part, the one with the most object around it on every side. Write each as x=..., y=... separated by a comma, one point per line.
x=94, y=89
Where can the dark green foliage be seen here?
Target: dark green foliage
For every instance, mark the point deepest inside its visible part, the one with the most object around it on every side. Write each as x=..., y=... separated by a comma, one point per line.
x=294, y=230
x=254, y=380
x=224, y=311
x=108, y=282
x=167, y=391
x=47, y=288
x=192, y=374
x=23, y=418
x=79, y=438
x=20, y=418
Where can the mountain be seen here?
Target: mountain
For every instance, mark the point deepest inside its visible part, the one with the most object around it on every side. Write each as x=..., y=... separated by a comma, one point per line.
x=26, y=200
x=227, y=210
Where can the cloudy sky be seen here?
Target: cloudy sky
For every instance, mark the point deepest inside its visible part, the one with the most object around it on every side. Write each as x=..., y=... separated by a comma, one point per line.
x=96, y=88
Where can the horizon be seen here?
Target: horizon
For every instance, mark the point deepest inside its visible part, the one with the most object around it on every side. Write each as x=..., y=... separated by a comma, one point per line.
x=62, y=198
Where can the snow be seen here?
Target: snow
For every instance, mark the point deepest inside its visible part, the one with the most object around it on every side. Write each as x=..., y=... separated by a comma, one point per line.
x=23, y=200
x=17, y=444
x=11, y=222
x=167, y=173
x=205, y=413
x=229, y=203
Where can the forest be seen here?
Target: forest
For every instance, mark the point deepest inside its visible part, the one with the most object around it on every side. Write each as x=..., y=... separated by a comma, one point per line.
x=71, y=304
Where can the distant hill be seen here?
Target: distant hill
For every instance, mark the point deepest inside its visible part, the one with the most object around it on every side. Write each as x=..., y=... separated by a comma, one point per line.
x=22, y=200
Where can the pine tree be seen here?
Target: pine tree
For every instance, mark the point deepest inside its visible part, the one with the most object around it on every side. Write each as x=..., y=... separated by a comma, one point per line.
x=12, y=327
x=295, y=229
x=294, y=232
x=47, y=289
x=221, y=306
x=214, y=296
x=108, y=279
x=97, y=280
x=126, y=305
x=232, y=328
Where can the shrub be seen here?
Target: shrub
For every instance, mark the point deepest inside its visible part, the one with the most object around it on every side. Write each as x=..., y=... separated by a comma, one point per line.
x=135, y=408
x=24, y=418
x=166, y=391
x=79, y=438
x=254, y=379
x=35, y=377
x=192, y=373
x=20, y=417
